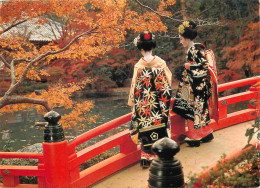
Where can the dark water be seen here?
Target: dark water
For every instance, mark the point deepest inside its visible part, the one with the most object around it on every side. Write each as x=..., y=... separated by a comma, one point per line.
x=17, y=130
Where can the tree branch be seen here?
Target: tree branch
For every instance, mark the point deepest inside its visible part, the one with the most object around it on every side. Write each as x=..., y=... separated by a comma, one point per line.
x=31, y=62
x=162, y=15
x=5, y=62
x=13, y=78
x=18, y=100
x=10, y=27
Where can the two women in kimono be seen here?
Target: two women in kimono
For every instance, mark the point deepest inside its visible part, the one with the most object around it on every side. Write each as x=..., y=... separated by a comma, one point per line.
x=150, y=93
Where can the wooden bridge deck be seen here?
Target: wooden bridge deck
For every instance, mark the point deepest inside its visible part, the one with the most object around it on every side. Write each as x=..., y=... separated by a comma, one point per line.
x=226, y=141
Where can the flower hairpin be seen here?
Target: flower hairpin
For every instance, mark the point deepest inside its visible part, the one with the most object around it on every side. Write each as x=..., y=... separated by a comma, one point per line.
x=147, y=36
x=181, y=28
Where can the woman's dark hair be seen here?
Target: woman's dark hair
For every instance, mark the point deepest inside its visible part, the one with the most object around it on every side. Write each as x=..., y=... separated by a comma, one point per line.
x=190, y=32
x=146, y=42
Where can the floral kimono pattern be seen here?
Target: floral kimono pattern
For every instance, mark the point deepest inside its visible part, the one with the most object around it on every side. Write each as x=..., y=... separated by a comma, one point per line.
x=194, y=88
x=150, y=96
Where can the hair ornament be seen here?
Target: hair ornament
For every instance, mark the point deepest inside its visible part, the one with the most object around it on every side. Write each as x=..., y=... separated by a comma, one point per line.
x=137, y=40
x=147, y=36
x=181, y=28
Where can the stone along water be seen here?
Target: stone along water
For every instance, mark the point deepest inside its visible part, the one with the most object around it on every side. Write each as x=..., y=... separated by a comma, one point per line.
x=17, y=130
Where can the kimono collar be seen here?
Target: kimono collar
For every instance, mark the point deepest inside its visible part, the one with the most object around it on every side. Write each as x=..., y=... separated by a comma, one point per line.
x=154, y=61
x=190, y=47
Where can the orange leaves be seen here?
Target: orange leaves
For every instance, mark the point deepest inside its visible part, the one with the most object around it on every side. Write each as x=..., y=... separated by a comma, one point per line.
x=114, y=19
x=245, y=53
x=163, y=5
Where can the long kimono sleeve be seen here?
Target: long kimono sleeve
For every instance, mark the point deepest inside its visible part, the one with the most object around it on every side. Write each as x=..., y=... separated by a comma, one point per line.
x=133, y=83
x=200, y=66
x=168, y=73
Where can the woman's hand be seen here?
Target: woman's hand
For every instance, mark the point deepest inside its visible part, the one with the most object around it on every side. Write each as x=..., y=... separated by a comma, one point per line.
x=187, y=65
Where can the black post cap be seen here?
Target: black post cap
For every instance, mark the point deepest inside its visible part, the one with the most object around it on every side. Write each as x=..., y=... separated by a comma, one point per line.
x=165, y=148
x=53, y=131
x=52, y=117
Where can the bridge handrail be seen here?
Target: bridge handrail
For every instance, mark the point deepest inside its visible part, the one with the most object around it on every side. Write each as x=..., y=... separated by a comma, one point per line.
x=21, y=155
x=238, y=83
x=126, y=118
x=100, y=130
x=129, y=153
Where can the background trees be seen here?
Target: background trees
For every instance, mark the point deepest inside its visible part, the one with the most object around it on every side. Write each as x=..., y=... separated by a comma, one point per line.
x=89, y=29
x=91, y=45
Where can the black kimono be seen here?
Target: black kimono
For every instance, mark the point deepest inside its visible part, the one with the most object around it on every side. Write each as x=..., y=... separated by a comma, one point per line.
x=191, y=100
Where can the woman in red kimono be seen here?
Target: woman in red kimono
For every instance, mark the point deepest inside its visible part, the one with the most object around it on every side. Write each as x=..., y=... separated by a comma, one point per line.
x=150, y=96
x=194, y=90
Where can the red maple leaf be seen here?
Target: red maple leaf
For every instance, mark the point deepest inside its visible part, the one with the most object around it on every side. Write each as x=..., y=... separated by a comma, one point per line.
x=146, y=111
x=138, y=93
x=164, y=99
x=145, y=101
x=160, y=77
x=159, y=86
x=147, y=82
x=157, y=121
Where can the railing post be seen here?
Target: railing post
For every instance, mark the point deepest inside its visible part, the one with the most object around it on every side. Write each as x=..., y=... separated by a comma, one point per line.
x=55, y=153
x=10, y=181
x=222, y=109
x=165, y=171
x=256, y=103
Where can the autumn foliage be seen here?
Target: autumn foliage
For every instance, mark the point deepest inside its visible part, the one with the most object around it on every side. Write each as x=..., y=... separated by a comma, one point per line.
x=90, y=29
x=244, y=54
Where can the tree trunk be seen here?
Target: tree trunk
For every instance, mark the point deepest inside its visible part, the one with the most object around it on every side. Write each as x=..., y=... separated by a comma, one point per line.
x=183, y=10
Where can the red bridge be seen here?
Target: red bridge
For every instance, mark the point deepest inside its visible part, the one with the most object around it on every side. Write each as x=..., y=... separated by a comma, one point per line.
x=59, y=165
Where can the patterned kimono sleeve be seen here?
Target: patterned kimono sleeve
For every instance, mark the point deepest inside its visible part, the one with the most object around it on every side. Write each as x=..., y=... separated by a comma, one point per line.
x=200, y=66
x=168, y=73
x=133, y=83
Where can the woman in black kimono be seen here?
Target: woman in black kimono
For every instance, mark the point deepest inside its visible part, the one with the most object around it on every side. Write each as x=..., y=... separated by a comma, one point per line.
x=191, y=100
x=150, y=96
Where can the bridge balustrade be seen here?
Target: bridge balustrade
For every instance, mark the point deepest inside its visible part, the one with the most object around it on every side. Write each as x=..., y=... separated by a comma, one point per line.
x=129, y=152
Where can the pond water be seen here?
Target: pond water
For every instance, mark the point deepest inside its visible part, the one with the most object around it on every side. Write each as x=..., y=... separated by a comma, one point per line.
x=17, y=130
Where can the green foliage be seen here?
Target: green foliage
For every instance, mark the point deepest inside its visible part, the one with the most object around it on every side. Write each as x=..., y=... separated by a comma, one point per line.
x=253, y=131
x=241, y=171
x=7, y=147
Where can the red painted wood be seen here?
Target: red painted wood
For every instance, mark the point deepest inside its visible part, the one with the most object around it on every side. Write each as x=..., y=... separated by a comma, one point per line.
x=105, y=168
x=10, y=181
x=22, y=186
x=101, y=129
x=235, y=118
x=56, y=164
x=239, y=97
x=14, y=155
x=99, y=147
x=21, y=170
x=60, y=163
x=238, y=83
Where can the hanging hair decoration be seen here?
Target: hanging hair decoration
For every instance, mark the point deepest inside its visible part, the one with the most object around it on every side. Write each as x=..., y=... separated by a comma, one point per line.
x=137, y=40
x=145, y=41
x=147, y=36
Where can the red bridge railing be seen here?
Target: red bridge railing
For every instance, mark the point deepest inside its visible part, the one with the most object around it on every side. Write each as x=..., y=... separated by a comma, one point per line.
x=59, y=165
